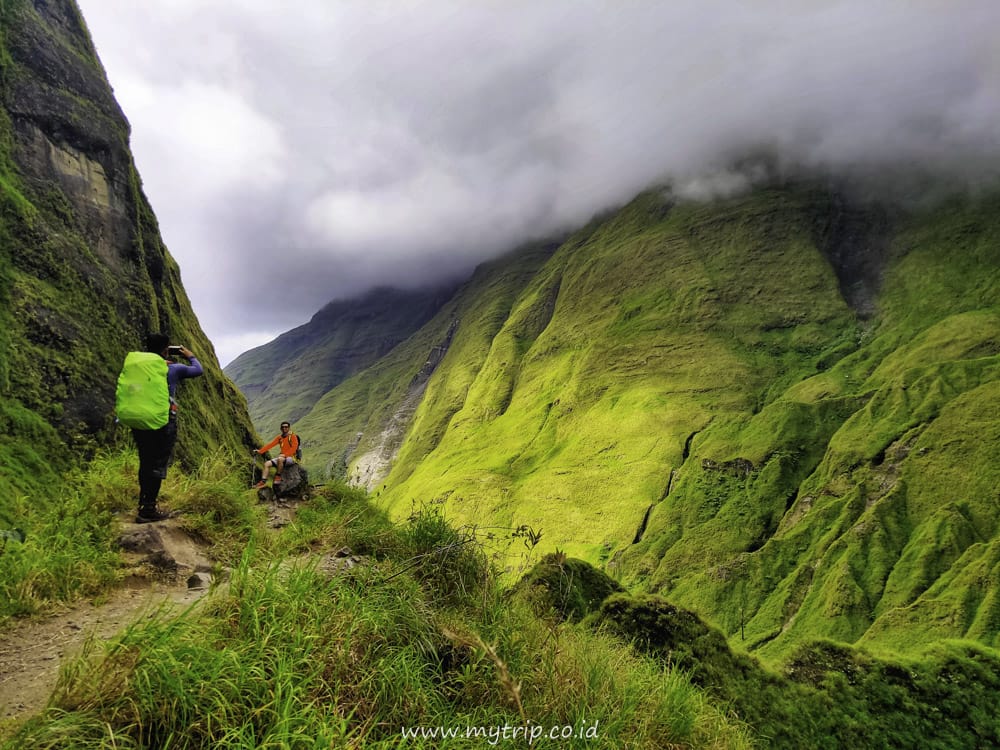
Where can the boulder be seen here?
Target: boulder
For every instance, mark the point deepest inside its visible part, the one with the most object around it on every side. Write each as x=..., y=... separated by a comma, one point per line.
x=164, y=550
x=294, y=485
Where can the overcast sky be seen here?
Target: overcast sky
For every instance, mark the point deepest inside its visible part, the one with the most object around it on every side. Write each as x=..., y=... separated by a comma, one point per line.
x=296, y=153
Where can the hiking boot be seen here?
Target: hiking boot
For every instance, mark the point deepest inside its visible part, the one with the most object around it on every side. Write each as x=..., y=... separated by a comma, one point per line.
x=260, y=485
x=151, y=515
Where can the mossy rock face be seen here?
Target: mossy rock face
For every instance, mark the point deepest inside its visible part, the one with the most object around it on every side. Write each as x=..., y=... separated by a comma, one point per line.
x=84, y=273
x=569, y=587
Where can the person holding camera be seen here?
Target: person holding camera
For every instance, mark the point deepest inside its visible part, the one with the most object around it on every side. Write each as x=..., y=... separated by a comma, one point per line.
x=156, y=447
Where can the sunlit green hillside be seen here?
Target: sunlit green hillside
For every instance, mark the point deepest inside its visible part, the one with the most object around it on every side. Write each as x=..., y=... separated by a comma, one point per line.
x=777, y=409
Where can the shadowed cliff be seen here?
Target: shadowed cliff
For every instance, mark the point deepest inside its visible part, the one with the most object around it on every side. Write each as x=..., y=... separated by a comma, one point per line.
x=84, y=273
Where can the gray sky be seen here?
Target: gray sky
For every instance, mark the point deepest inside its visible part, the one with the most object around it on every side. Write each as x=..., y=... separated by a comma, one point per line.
x=296, y=153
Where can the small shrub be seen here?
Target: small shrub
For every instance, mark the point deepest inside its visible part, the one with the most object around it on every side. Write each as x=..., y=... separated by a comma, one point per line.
x=447, y=559
x=569, y=587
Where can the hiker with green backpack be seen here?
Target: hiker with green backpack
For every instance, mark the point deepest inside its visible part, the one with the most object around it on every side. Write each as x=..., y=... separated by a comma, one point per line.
x=146, y=401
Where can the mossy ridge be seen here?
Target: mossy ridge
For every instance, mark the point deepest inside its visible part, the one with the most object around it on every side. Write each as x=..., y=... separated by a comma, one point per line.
x=827, y=695
x=72, y=311
x=919, y=389
x=31, y=454
x=565, y=588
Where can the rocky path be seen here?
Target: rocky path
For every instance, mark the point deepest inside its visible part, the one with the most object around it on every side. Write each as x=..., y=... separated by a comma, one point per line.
x=32, y=652
x=167, y=568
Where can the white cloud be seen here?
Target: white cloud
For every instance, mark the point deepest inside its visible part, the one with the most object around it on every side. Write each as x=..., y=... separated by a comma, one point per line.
x=226, y=142
x=229, y=346
x=385, y=142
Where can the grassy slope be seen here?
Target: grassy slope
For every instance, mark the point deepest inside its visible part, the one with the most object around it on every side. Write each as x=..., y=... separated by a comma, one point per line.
x=295, y=651
x=805, y=475
x=640, y=331
x=883, y=464
x=401, y=641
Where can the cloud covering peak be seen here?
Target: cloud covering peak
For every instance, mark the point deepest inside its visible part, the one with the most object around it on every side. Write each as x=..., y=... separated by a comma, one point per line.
x=316, y=153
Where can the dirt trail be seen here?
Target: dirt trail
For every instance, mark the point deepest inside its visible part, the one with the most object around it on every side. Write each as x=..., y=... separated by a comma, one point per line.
x=167, y=567
x=32, y=651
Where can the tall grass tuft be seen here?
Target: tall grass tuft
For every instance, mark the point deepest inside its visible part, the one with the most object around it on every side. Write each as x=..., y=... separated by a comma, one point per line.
x=68, y=549
x=447, y=558
x=216, y=505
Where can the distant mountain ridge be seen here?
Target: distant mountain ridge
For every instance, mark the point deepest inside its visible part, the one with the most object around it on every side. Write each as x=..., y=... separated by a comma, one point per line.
x=776, y=409
x=283, y=379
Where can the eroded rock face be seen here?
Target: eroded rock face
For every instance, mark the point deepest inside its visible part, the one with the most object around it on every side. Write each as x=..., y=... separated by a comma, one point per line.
x=100, y=207
x=69, y=132
x=374, y=465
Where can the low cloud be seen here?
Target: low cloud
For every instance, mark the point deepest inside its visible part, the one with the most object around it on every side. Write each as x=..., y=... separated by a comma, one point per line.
x=314, y=154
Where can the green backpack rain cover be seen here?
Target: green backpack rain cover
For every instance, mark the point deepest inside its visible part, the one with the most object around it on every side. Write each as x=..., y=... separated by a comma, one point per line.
x=142, y=399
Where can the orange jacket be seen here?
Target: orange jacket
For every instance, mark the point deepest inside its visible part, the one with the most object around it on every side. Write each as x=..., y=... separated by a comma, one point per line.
x=289, y=445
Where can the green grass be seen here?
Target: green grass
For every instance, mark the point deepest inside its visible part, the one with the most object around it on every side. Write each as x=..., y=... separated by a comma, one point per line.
x=68, y=546
x=419, y=637
x=70, y=549
x=427, y=635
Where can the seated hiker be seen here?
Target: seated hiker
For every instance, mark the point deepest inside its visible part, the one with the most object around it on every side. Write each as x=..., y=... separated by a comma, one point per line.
x=288, y=445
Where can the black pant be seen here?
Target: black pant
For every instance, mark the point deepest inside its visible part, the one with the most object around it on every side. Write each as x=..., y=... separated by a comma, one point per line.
x=156, y=451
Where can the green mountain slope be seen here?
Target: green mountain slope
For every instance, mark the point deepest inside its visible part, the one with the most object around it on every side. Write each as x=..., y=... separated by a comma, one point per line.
x=283, y=379
x=83, y=271
x=778, y=410
x=870, y=509
x=365, y=419
x=635, y=336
